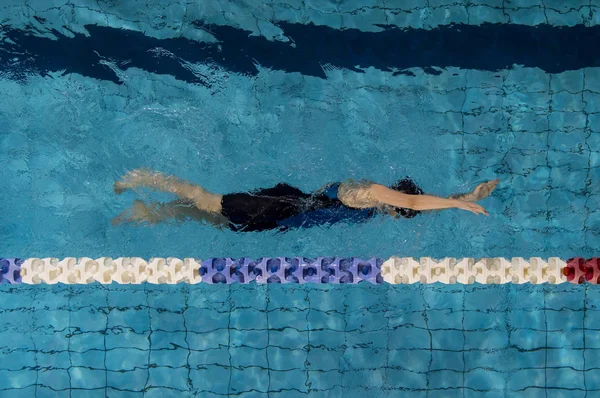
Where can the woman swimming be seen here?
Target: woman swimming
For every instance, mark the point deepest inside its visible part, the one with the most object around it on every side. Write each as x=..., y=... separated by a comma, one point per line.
x=284, y=206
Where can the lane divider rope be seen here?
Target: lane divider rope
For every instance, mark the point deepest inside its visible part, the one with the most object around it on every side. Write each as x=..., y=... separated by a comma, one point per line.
x=299, y=270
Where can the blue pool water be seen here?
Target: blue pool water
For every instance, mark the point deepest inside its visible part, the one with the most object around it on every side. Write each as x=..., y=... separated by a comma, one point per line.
x=235, y=96
x=298, y=341
x=81, y=108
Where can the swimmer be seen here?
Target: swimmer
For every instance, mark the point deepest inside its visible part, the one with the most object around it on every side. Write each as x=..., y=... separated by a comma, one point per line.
x=285, y=206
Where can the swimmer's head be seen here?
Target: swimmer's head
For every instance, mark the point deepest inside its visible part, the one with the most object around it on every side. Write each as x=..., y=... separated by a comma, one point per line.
x=407, y=186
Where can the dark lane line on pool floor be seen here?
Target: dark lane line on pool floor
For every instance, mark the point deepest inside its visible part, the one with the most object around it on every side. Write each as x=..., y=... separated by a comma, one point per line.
x=489, y=47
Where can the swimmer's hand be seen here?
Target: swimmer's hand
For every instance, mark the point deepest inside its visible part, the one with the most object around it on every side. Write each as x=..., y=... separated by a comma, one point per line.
x=484, y=190
x=472, y=207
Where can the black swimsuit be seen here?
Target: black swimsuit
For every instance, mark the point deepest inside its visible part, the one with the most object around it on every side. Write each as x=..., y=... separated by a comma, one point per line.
x=284, y=206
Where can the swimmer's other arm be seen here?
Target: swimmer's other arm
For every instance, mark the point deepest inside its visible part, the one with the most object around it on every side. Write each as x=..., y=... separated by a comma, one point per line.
x=390, y=197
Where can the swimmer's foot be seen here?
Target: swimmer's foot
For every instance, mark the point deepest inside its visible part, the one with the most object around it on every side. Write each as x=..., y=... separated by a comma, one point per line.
x=138, y=213
x=131, y=180
x=119, y=187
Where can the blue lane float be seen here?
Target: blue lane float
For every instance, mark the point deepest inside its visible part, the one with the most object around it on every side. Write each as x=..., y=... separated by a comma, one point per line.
x=10, y=270
x=300, y=270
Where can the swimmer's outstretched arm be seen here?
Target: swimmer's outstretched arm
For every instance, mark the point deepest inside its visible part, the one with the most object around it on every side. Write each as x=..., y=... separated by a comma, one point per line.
x=394, y=198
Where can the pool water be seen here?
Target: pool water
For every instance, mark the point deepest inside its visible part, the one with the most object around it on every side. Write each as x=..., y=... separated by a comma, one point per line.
x=245, y=95
x=296, y=341
x=67, y=137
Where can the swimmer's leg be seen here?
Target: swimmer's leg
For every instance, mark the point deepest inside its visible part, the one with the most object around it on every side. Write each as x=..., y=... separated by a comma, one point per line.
x=177, y=210
x=202, y=199
x=138, y=213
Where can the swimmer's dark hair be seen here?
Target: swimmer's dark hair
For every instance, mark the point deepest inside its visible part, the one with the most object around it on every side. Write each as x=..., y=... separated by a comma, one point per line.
x=407, y=186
